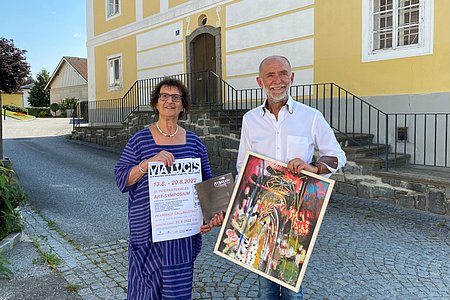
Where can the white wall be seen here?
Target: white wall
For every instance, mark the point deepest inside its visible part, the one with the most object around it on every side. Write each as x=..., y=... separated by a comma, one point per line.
x=160, y=51
x=25, y=95
x=256, y=29
x=67, y=77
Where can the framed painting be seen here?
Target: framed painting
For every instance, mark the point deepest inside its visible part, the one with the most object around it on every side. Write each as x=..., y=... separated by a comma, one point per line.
x=273, y=219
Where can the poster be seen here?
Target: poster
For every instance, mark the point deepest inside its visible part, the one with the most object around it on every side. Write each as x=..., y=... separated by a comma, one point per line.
x=174, y=208
x=214, y=195
x=273, y=220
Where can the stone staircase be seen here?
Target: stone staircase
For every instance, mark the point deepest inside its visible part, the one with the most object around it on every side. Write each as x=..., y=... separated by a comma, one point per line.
x=221, y=141
x=363, y=176
x=403, y=184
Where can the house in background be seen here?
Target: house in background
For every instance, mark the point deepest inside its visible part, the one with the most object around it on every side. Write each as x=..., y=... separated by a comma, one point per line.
x=392, y=54
x=26, y=93
x=12, y=99
x=19, y=98
x=70, y=79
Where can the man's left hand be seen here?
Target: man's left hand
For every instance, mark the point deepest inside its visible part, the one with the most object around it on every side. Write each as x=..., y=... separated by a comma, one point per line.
x=296, y=165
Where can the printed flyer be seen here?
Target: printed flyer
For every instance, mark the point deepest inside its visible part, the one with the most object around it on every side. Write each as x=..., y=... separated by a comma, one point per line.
x=174, y=208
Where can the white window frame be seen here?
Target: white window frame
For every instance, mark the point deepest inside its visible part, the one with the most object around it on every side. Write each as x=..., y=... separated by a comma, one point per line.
x=113, y=82
x=110, y=4
x=423, y=47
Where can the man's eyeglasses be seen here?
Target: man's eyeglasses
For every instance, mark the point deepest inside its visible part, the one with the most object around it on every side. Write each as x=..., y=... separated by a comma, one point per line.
x=164, y=97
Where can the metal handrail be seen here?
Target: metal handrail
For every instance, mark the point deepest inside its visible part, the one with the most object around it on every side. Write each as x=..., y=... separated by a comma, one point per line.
x=346, y=113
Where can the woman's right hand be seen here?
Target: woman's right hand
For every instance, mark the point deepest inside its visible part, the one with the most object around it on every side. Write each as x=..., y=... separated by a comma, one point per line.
x=141, y=169
x=165, y=157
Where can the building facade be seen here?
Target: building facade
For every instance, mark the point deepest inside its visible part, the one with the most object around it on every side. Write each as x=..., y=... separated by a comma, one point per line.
x=13, y=99
x=392, y=54
x=69, y=79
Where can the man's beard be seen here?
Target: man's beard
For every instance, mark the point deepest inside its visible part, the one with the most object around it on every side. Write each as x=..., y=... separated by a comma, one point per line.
x=274, y=98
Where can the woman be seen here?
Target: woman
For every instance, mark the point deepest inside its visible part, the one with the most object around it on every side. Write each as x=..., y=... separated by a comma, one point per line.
x=163, y=269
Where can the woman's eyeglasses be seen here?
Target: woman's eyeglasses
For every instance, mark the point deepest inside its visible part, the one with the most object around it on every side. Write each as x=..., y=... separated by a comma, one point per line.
x=165, y=97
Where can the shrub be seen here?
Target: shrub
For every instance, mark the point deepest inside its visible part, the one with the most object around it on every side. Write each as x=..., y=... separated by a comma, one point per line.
x=35, y=111
x=54, y=107
x=14, y=108
x=4, y=271
x=69, y=103
x=44, y=114
x=11, y=196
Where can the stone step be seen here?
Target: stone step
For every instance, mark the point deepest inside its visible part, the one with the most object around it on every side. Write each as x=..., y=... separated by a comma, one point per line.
x=354, y=139
x=416, y=176
x=377, y=162
x=354, y=152
x=372, y=187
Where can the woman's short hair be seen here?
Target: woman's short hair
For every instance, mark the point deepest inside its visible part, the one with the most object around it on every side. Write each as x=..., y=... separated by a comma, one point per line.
x=171, y=82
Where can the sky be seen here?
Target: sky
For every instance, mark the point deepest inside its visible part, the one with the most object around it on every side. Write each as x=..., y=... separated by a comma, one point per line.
x=47, y=29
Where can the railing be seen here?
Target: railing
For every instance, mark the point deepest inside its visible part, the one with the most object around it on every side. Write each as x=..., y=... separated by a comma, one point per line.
x=80, y=114
x=427, y=135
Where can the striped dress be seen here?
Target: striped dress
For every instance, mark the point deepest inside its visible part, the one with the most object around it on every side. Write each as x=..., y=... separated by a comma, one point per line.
x=162, y=270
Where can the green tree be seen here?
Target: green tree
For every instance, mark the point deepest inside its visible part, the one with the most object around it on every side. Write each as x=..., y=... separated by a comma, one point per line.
x=38, y=96
x=13, y=72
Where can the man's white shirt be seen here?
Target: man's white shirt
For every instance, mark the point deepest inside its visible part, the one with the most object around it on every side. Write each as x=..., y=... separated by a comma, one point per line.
x=298, y=131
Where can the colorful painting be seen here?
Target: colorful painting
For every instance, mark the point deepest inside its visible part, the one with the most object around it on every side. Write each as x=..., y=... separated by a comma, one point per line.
x=273, y=220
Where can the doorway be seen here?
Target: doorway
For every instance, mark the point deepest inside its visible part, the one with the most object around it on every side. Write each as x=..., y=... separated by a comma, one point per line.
x=203, y=57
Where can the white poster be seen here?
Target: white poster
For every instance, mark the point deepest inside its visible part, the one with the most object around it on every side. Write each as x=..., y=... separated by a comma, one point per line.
x=174, y=206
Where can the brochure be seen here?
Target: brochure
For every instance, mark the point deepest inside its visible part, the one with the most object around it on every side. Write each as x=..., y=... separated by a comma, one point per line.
x=214, y=195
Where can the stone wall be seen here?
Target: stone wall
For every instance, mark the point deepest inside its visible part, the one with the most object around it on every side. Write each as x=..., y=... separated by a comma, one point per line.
x=407, y=190
x=222, y=145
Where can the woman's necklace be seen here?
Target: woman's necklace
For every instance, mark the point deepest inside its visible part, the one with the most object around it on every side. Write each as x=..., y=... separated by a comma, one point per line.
x=165, y=134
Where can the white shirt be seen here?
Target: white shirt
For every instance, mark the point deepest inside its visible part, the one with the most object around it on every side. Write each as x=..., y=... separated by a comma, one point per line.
x=298, y=131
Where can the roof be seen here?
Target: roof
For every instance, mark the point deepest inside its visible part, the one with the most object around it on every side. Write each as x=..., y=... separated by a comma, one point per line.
x=79, y=64
x=27, y=86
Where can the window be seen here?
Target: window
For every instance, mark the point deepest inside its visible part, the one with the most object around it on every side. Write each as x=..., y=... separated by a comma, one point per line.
x=397, y=28
x=115, y=73
x=402, y=134
x=112, y=8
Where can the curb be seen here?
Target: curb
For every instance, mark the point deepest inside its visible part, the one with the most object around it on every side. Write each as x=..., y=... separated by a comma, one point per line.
x=8, y=243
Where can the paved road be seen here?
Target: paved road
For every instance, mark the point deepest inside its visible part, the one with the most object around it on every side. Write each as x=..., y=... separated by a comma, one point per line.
x=365, y=249
x=69, y=184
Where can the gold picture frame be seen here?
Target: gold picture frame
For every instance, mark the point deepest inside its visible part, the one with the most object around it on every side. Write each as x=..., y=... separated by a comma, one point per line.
x=273, y=219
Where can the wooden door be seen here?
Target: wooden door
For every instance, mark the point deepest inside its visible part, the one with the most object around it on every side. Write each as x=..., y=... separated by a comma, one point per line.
x=204, y=60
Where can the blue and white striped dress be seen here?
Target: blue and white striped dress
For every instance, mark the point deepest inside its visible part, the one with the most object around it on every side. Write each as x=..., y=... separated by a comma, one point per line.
x=162, y=270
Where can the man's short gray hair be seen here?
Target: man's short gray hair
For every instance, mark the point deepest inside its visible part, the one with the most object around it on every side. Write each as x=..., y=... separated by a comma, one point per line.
x=273, y=57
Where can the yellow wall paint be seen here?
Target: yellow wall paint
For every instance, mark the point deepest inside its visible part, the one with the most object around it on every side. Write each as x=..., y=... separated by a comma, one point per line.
x=212, y=18
x=337, y=54
x=150, y=8
x=127, y=16
x=125, y=46
x=173, y=3
x=14, y=99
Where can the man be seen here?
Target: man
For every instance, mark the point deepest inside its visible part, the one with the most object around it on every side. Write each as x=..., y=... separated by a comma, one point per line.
x=287, y=131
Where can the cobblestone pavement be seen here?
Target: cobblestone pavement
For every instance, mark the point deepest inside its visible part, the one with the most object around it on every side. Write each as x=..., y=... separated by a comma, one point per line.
x=365, y=250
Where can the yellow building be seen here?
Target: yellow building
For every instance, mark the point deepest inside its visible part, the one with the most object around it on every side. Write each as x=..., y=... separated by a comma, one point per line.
x=390, y=54
x=351, y=43
x=12, y=99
